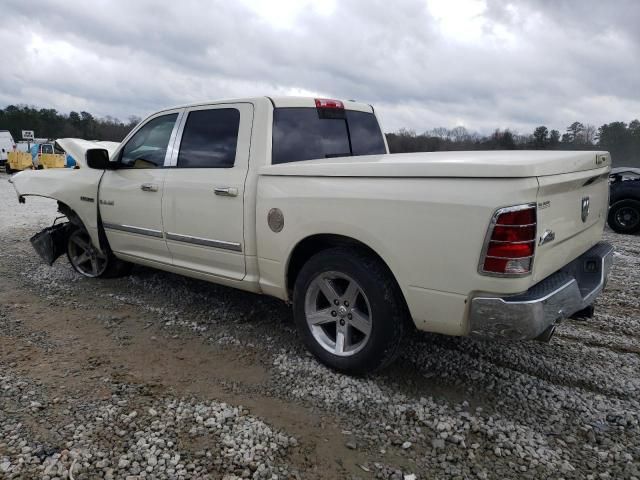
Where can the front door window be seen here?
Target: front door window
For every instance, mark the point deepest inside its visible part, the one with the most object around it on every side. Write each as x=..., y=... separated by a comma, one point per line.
x=148, y=147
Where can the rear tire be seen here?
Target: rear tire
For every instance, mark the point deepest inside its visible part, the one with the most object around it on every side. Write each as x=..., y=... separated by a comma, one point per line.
x=349, y=310
x=624, y=216
x=7, y=169
x=89, y=261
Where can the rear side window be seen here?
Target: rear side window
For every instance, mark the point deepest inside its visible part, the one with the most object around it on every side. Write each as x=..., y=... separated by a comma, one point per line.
x=306, y=134
x=210, y=138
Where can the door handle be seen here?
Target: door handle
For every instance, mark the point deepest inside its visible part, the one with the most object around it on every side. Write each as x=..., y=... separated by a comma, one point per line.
x=226, y=191
x=149, y=187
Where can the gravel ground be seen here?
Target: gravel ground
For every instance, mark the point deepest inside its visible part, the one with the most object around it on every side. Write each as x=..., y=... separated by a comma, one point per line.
x=159, y=376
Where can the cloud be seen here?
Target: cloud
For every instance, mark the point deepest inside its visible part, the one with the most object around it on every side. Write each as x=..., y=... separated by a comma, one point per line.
x=480, y=63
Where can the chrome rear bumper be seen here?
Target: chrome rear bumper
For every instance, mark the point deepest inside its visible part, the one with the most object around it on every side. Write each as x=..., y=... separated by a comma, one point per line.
x=528, y=315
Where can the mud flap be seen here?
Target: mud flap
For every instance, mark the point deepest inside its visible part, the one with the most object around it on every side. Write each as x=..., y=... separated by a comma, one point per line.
x=51, y=242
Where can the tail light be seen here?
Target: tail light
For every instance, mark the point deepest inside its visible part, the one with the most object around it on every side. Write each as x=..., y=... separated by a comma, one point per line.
x=328, y=103
x=510, y=243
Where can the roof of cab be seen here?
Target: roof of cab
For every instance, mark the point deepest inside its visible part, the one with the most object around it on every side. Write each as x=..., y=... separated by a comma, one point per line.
x=293, y=102
x=279, y=102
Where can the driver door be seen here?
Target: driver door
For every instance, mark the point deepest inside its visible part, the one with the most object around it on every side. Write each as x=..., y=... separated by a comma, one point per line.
x=130, y=197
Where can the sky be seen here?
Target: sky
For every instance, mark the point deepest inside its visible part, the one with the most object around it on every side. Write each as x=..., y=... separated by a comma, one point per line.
x=482, y=64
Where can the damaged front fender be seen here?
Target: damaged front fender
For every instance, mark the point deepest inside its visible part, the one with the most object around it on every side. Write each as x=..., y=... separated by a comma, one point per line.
x=77, y=189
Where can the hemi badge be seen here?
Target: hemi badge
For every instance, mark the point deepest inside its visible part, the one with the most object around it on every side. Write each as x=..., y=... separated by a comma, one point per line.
x=86, y=199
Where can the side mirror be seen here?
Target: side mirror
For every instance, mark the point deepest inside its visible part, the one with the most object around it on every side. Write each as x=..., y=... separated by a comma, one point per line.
x=98, y=158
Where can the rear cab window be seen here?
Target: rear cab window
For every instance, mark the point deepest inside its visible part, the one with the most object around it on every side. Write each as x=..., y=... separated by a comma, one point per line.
x=306, y=133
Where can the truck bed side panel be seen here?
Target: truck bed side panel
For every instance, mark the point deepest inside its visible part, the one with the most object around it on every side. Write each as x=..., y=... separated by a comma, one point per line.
x=430, y=232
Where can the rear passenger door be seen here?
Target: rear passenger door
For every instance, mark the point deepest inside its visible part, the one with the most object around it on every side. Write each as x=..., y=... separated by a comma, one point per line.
x=203, y=203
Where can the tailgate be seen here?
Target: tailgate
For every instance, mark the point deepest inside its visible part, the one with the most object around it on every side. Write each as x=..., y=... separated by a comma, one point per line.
x=572, y=210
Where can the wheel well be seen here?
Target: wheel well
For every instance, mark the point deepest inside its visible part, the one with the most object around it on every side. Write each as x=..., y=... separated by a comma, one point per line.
x=74, y=218
x=308, y=247
x=68, y=212
x=625, y=191
x=620, y=198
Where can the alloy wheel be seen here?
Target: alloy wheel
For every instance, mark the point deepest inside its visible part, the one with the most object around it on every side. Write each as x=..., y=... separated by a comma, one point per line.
x=338, y=313
x=84, y=257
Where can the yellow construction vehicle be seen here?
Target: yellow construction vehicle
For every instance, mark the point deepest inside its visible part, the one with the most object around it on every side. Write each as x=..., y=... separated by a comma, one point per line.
x=17, y=161
x=52, y=160
x=44, y=156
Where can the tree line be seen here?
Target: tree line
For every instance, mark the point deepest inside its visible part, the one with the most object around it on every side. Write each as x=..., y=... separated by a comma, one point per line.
x=49, y=123
x=619, y=138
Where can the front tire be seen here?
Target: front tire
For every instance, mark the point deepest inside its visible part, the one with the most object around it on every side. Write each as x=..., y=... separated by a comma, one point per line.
x=624, y=216
x=349, y=310
x=89, y=261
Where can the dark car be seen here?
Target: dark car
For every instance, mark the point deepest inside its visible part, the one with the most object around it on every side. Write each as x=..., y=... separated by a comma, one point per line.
x=624, y=200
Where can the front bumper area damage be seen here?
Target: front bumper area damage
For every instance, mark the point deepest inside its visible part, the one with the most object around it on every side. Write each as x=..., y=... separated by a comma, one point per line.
x=535, y=313
x=51, y=242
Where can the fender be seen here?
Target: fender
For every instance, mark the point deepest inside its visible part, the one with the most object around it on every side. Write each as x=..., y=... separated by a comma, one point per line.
x=76, y=188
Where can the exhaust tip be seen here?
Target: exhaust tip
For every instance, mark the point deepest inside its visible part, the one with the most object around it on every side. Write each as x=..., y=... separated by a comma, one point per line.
x=547, y=334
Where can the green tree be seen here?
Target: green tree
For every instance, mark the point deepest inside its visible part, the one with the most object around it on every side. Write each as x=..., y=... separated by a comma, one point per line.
x=617, y=138
x=540, y=136
x=574, y=133
x=49, y=123
x=634, y=129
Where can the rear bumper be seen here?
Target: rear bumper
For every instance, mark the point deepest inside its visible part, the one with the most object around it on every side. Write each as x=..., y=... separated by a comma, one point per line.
x=560, y=295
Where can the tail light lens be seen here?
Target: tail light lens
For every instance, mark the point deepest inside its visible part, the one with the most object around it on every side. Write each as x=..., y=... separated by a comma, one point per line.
x=329, y=103
x=511, y=242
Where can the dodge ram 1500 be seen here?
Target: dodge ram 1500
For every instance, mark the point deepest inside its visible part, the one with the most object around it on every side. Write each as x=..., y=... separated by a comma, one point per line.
x=299, y=198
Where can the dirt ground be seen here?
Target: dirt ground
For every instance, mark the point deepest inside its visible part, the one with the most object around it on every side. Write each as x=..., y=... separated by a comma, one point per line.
x=109, y=378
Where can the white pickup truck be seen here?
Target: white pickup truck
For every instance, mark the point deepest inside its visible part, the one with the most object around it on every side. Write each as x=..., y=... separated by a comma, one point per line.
x=299, y=198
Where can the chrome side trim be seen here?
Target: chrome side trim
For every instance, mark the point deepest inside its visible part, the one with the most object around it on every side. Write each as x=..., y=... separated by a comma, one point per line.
x=176, y=138
x=131, y=229
x=557, y=297
x=170, y=153
x=511, y=258
x=233, y=246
